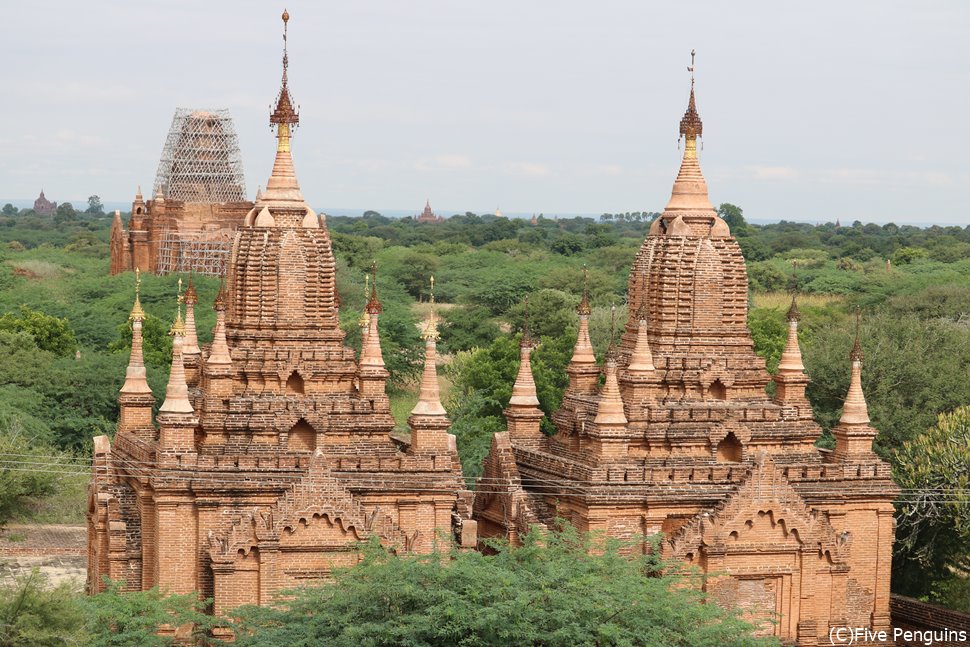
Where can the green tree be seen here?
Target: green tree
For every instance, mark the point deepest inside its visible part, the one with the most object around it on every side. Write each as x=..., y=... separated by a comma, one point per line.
x=64, y=213
x=734, y=217
x=10, y=210
x=19, y=455
x=933, y=532
x=558, y=589
x=94, y=206
x=115, y=618
x=35, y=614
x=551, y=314
x=466, y=327
x=49, y=333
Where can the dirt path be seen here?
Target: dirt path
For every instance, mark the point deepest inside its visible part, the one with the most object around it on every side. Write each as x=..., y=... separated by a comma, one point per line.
x=59, y=552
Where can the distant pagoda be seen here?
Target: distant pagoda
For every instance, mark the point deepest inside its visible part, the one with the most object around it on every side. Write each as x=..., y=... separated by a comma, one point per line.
x=428, y=215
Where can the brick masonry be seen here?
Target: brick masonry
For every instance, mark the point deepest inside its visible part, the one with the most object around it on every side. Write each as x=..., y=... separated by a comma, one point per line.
x=800, y=539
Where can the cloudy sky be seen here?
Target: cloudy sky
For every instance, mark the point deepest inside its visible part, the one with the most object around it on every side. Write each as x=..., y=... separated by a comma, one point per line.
x=812, y=111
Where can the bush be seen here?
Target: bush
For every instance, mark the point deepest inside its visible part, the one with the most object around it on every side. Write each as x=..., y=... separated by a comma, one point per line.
x=557, y=589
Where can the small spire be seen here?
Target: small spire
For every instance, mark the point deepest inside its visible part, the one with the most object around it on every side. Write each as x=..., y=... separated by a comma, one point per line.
x=429, y=397
x=178, y=326
x=374, y=304
x=791, y=357
x=219, y=350
x=177, y=391
x=855, y=411
x=610, y=408
x=136, y=381
x=138, y=196
x=190, y=298
x=524, y=389
x=431, y=327
x=583, y=309
x=364, y=315
x=641, y=360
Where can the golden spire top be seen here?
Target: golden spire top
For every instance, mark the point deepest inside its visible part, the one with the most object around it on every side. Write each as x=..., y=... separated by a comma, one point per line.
x=374, y=305
x=691, y=126
x=583, y=309
x=178, y=326
x=137, y=313
x=431, y=328
x=285, y=117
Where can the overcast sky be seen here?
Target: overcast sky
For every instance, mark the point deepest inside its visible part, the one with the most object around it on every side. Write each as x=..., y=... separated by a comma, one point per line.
x=812, y=111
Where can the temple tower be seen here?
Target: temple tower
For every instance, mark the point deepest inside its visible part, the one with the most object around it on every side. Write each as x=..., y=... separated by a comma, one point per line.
x=272, y=456
x=682, y=439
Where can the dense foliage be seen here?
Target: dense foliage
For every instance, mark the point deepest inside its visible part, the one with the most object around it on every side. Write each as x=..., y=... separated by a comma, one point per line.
x=557, y=589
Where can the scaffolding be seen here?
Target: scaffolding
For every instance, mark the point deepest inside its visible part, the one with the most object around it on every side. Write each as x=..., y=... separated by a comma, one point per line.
x=199, y=252
x=201, y=161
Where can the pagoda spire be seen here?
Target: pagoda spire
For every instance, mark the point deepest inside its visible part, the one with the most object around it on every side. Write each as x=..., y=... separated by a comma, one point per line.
x=791, y=357
x=791, y=379
x=641, y=361
x=177, y=391
x=372, y=373
x=523, y=415
x=609, y=411
x=429, y=398
x=855, y=411
x=853, y=434
x=282, y=188
x=136, y=381
x=219, y=351
x=689, y=195
x=364, y=321
x=190, y=298
x=582, y=369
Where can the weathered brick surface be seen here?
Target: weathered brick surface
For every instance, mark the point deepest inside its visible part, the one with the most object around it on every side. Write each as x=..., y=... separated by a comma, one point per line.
x=800, y=538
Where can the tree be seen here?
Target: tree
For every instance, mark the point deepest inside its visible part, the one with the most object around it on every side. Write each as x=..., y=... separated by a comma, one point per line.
x=933, y=532
x=10, y=210
x=50, y=333
x=35, y=614
x=734, y=217
x=64, y=213
x=17, y=483
x=557, y=589
x=94, y=206
x=116, y=618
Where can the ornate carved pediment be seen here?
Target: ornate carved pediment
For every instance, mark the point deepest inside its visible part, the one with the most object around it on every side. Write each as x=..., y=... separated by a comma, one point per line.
x=765, y=500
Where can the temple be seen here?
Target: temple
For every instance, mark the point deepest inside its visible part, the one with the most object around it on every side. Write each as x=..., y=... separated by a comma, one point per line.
x=43, y=206
x=271, y=456
x=681, y=438
x=428, y=215
x=199, y=200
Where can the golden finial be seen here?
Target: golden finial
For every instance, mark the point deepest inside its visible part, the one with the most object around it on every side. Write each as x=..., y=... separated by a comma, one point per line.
x=857, y=355
x=431, y=328
x=584, y=309
x=190, y=295
x=178, y=326
x=137, y=313
x=285, y=117
x=691, y=126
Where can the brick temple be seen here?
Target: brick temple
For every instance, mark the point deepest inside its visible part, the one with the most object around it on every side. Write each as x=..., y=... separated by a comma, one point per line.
x=271, y=457
x=682, y=439
x=199, y=200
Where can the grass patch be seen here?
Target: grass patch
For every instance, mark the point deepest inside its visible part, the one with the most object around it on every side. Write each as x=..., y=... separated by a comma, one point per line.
x=36, y=269
x=783, y=299
x=16, y=537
